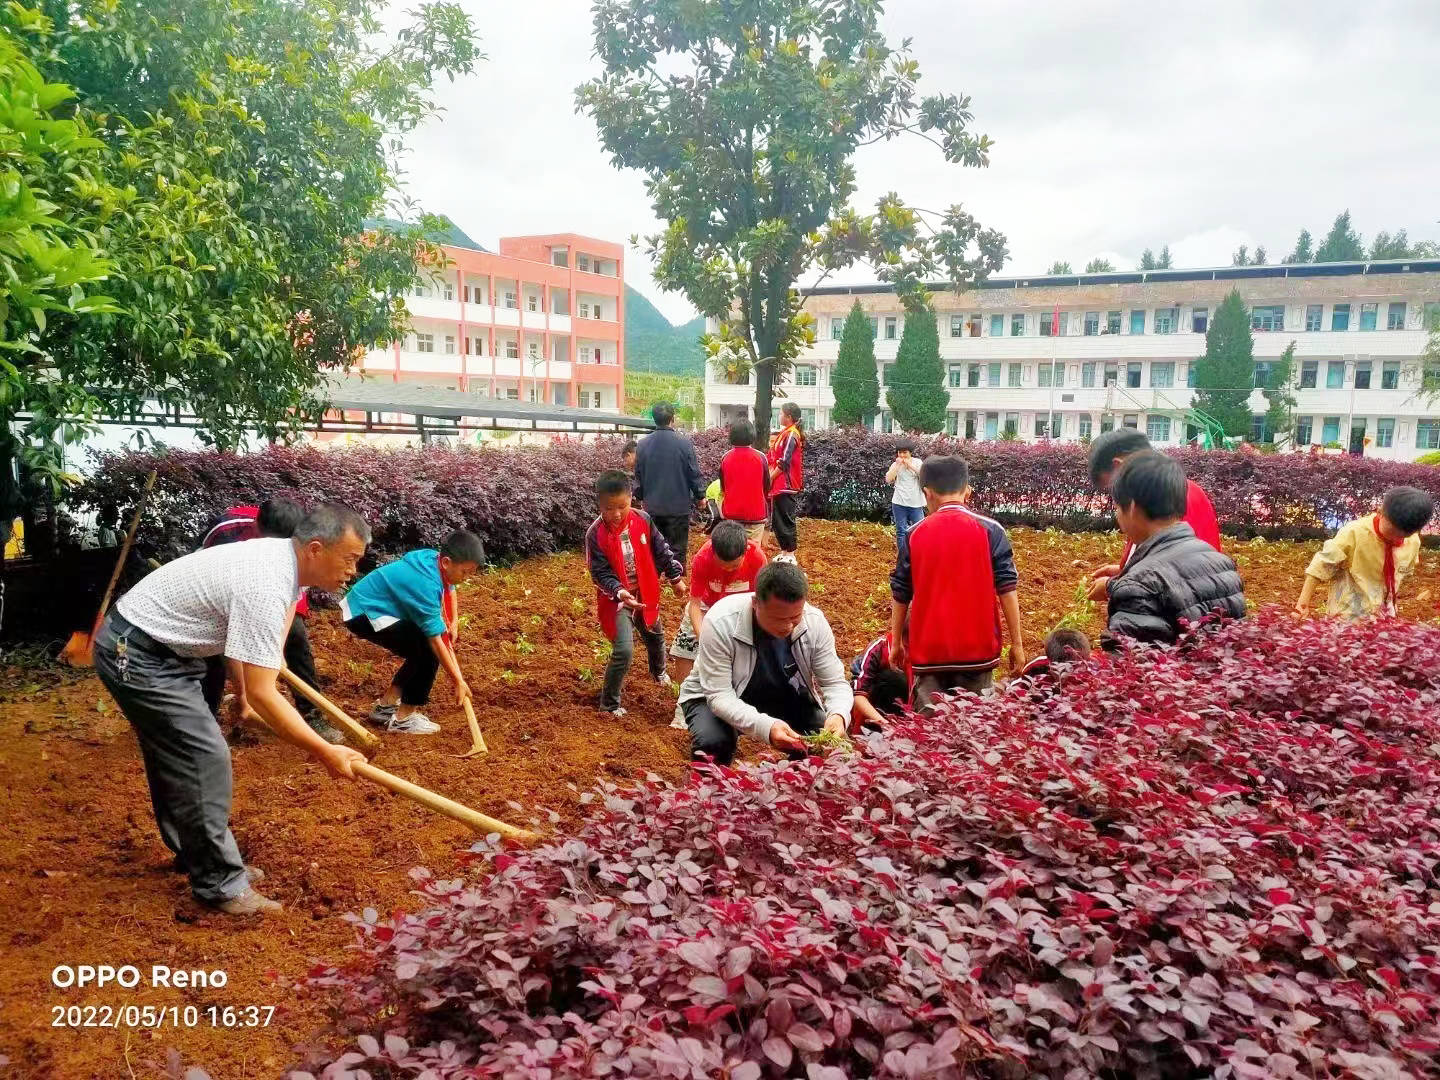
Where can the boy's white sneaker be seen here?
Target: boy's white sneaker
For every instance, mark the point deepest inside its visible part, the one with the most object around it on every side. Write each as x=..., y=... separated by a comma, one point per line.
x=786, y=557
x=617, y=711
x=414, y=724
x=665, y=680
x=678, y=720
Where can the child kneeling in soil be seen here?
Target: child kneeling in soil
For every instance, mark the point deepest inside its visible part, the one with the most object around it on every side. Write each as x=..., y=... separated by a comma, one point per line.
x=1061, y=647
x=409, y=607
x=728, y=563
x=1368, y=560
x=881, y=690
x=626, y=554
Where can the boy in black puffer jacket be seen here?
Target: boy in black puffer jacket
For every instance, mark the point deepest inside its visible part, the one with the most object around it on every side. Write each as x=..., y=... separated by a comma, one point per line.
x=1171, y=575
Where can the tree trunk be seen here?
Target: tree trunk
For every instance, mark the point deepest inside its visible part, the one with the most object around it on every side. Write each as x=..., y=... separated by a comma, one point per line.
x=764, y=373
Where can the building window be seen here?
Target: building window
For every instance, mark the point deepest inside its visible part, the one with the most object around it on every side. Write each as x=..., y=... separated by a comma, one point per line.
x=512, y=393
x=992, y=425
x=449, y=344
x=1085, y=425
x=1395, y=317
x=1017, y=325
x=807, y=418
x=1368, y=315
x=997, y=325
x=1309, y=371
x=1200, y=320
x=450, y=292
x=1314, y=316
x=1270, y=317
x=1157, y=428
x=887, y=422
x=1390, y=375
x=1049, y=327
x=1046, y=374
x=874, y=328
x=1166, y=320
x=957, y=329
x=805, y=375
x=512, y=350
x=532, y=350
x=421, y=290
x=885, y=374
x=972, y=375
x=952, y=421
x=1107, y=422
x=1087, y=374
x=1334, y=375
x=837, y=329
x=891, y=325
x=1362, y=375
x=1191, y=370
x=992, y=376
x=1014, y=374
x=582, y=262
x=584, y=309
x=510, y=301
x=1092, y=323
x=1330, y=430
x=1260, y=431
x=1112, y=322
x=1131, y=420
x=1303, y=426
x=1264, y=371
x=957, y=377
x=1137, y=322
x=1132, y=374
x=1012, y=424
x=424, y=342
x=1059, y=374
x=1112, y=373
x=1385, y=432
x=1340, y=317
x=970, y=425
x=1427, y=435
x=1162, y=376
x=1042, y=426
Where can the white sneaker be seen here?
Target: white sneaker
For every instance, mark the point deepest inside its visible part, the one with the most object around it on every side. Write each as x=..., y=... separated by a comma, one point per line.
x=617, y=711
x=414, y=724
x=678, y=720
x=665, y=680
x=786, y=557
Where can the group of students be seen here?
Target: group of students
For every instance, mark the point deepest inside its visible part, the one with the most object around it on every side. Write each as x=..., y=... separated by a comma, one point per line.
x=954, y=588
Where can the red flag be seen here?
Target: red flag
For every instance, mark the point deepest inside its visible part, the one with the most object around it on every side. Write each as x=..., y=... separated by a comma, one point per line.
x=1055, y=322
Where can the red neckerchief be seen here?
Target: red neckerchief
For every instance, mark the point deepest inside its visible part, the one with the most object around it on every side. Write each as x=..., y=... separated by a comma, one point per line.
x=1389, y=565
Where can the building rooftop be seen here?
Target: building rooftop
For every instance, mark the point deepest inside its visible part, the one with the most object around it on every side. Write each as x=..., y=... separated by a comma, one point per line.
x=443, y=403
x=1136, y=277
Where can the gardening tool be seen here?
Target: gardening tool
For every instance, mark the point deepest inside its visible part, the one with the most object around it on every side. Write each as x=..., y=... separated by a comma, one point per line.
x=477, y=744
x=368, y=742
x=441, y=805
x=79, y=651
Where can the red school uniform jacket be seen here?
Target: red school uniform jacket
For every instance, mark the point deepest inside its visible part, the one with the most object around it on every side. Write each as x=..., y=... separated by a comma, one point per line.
x=952, y=572
x=787, y=453
x=1199, y=515
x=744, y=477
x=605, y=556
x=709, y=584
x=240, y=523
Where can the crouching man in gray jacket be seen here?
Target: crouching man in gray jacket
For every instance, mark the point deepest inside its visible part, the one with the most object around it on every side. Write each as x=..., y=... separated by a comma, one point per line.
x=767, y=668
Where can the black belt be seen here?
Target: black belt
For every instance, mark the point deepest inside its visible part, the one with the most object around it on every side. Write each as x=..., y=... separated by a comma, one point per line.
x=138, y=638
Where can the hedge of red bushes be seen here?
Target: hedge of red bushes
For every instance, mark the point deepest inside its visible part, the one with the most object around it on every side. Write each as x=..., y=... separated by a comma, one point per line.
x=1219, y=860
x=531, y=501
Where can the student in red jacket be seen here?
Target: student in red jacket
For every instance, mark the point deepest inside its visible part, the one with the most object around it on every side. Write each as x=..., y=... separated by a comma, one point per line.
x=744, y=480
x=951, y=582
x=627, y=554
x=728, y=563
x=880, y=690
x=1107, y=454
x=787, y=479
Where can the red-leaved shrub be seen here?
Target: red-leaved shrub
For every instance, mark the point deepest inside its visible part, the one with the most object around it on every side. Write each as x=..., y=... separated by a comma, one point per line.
x=537, y=500
x=1215, y=860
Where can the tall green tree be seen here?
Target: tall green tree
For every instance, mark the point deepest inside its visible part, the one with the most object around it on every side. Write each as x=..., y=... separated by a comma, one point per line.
x=1225, y=374
x=1279, y=390
x=1147, y=260
x=1099, y=266
x=1303, y=252
x=1164, y=262
x=1342, y=243
x=1059, y=267
x=917, y=395
x=744, y=119
x=244, y=145
x=1385, y=246
x=855, y=381
x=1260, y=258
x=1241, y=256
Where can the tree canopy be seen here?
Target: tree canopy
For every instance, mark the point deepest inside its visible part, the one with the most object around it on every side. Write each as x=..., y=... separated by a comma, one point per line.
x=233, y=151
x=1099, y=266
x=1058, y=267
x=1225, y=374
x=744, y=120
x=917, y=395
x=854, y=380
x=1342, y=243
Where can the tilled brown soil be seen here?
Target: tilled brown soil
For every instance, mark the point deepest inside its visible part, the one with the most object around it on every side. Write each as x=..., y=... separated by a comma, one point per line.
x=85, y=880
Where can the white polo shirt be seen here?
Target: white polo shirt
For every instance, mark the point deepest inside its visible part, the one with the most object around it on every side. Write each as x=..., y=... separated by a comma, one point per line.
x=235, y=599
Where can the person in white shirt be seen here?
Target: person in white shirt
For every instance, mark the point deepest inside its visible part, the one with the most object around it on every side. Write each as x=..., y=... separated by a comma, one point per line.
x=907, y=504
x=235, y=601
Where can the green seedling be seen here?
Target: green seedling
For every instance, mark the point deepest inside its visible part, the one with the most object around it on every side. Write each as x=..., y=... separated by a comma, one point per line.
x=586, y=674
x=524, y=646
x=827, y=741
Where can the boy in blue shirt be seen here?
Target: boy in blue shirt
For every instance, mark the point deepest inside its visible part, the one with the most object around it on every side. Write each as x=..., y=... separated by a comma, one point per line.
x=409, y=607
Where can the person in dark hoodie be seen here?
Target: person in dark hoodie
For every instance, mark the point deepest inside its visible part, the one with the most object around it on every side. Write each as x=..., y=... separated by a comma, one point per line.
x=1172, y=575
x=668, y=481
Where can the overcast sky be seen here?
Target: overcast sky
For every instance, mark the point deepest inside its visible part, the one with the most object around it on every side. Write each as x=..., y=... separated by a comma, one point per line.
x=1118, y=126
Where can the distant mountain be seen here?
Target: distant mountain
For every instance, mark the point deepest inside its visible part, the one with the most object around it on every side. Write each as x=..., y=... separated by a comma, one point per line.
x=653, y=344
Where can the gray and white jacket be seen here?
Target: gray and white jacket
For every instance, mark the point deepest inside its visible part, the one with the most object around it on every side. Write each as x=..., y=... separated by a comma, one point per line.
x=726, y=661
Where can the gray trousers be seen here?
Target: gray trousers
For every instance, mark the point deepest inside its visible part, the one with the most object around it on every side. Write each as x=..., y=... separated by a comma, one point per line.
x=930, y=683
x=187, y=760
x=622, y=650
